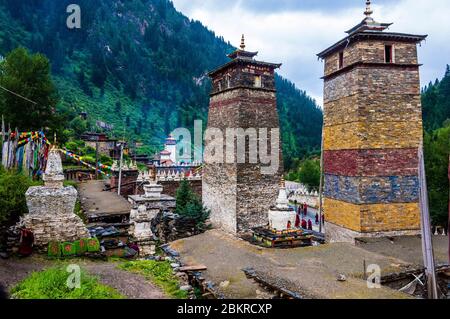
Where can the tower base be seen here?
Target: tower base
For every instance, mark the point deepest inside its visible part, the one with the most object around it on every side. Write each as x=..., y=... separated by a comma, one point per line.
x=339, y=234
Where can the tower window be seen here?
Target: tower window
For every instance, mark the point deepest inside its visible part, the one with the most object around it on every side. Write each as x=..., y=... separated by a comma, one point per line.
x=388, y=54
x=228, y=81
x=341, y=60
x=258, y=82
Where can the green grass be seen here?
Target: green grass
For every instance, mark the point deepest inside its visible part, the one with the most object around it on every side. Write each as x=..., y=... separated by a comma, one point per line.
x=51, y=284
x=158, y=272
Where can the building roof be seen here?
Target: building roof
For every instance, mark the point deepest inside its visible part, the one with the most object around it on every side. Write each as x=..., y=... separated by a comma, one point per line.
x=170, y=141
x=240, y=56
x=165, y=152
x=369, y=29
x=372, y=35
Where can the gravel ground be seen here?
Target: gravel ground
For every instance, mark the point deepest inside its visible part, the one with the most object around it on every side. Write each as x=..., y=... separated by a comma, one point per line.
x=131, y=285
x=310, y=271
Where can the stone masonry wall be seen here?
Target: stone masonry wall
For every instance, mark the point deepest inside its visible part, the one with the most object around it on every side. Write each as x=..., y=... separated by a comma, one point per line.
x=373, y=52
x=238, y=194
x=373, y=127
x=51, y=215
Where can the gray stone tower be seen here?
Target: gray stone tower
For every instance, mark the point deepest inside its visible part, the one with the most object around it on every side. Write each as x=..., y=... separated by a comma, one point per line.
x=243, y=96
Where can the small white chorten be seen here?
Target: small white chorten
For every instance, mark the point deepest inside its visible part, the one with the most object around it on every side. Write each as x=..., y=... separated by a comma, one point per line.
x=281, y=215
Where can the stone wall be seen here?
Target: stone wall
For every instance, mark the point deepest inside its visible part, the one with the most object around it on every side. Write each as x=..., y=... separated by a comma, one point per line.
x=169, y=227
x=372, y=51
x=128, y=182
x=238, y=195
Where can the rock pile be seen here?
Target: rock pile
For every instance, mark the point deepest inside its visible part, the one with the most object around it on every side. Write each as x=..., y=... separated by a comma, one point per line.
x=168, y=226
x=9, y=241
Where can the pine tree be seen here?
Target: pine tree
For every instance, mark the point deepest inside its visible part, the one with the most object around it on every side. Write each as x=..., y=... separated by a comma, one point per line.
x=183, y=197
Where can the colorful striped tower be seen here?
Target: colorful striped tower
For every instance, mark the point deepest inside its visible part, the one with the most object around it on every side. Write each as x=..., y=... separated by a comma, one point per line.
x=373, y=128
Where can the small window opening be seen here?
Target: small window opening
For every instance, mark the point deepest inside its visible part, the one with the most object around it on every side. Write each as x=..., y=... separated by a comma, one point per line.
x=258, y=82
x=228, y=81
x=388, y=54
x=341, y=60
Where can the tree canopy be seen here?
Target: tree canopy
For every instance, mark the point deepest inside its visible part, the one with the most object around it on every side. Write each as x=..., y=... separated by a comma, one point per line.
x=28, y=96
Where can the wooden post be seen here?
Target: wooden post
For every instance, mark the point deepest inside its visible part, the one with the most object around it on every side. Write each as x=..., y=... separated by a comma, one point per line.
x=427, y=244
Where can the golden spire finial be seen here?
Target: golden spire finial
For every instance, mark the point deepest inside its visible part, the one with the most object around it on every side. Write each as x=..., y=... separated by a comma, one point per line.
x=54, y=142
x=243, y=43
x=368, y=11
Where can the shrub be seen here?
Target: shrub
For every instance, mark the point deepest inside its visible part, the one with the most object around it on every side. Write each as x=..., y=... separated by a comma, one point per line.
x=13, y=186
x=309, y=174
x=189, y=204
x=52, y=284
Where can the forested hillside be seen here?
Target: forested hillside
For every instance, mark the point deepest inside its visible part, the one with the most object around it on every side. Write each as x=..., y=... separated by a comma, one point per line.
x=436, y=102
x=436, y=114
x=139, y=65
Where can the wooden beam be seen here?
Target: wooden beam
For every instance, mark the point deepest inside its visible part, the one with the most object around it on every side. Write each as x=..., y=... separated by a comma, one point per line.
x=193, y=268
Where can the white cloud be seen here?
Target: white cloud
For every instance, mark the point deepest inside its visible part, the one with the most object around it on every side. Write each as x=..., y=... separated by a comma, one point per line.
x=294, y=37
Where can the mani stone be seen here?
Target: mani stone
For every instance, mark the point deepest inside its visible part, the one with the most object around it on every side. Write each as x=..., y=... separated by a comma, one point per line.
x=243, y=96
x=372, y=132
x=281, y=214
x=51, y=214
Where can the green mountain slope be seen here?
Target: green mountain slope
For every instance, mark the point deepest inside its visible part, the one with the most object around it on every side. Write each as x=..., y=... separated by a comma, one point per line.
x=436, y=102
x=141, y=66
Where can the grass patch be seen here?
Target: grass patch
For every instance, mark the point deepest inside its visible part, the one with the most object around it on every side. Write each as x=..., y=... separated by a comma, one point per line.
x=52, y=284
x=160, y=273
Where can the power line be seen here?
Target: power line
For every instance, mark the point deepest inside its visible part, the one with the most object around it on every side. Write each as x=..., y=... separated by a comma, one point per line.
x=18, y=95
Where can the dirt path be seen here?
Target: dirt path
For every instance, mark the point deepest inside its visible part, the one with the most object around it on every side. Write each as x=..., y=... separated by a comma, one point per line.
x=310, y=271
x=97, y=202
x=133, y=286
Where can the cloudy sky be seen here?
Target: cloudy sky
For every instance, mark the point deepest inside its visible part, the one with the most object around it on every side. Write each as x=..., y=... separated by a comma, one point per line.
x=294, y=31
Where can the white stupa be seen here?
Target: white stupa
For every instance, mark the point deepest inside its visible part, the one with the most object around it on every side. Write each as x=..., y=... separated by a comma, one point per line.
x=281, y=215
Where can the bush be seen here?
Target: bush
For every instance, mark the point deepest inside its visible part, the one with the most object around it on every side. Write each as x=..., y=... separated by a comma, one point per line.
x=158, y=272
x=309, y=174
x=52, y=284
x=189, y=204
x=13, y=186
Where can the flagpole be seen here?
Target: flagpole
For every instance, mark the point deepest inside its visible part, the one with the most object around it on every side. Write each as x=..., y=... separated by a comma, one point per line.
x=321, y=185
x=427, y=244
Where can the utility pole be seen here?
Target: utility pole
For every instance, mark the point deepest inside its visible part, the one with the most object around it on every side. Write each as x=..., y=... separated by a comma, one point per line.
x=3, y=137
x=427, y=244
x=121, y=160
x=321, y=185
x=96, y=160
x=120, y=168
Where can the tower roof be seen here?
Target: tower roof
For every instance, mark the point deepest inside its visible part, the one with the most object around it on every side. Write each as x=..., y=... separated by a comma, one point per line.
x=242, y=56
x=170, y=140
x=241, y=53
x=368, y=28
x=369, y=24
